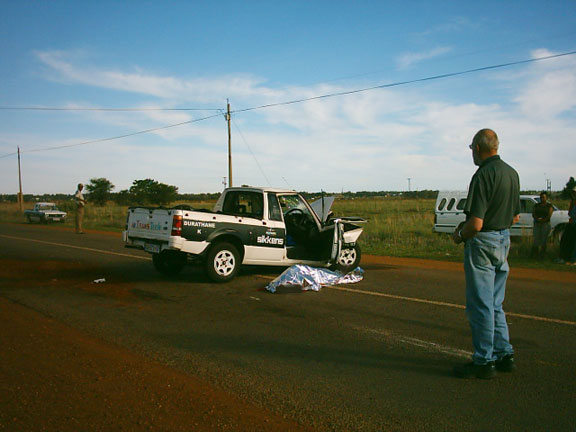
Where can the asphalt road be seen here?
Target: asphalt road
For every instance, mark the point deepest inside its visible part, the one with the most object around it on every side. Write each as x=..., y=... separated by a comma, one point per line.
x=372, y=356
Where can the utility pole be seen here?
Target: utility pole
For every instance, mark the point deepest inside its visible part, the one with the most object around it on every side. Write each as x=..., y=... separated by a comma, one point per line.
x=408, y=183
x=229, y=144
x=20, y=196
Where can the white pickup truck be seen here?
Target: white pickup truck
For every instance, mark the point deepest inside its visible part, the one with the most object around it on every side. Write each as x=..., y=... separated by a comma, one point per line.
x=449, y=213
x=248, y=226
x=45, y=212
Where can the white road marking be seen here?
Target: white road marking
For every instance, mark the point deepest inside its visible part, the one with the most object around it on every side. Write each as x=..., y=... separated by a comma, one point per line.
x=338, y=288
x=452, y=305
x=77, y=247
x=429, y=346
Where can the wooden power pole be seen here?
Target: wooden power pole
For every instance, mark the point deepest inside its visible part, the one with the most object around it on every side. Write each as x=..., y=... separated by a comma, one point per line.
x=229, y=146
x=20, y=196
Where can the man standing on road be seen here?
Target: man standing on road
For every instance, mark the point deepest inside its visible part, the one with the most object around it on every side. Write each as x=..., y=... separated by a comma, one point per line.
x=80, y=203
x=492, y=206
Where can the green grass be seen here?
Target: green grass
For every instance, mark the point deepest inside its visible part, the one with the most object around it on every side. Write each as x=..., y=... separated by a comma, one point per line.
x=404, y=228
x=397, y=227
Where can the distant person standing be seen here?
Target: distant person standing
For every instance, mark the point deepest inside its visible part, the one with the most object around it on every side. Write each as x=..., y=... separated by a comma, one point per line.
x=542, y=213
x=492, y=206
x=80, y=204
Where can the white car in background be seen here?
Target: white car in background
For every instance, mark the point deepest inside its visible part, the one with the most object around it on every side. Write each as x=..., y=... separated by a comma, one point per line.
x=45, y=212
x=449, y=213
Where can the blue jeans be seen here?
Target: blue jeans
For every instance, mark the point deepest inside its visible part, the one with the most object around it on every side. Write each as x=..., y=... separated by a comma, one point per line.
x=486, y=268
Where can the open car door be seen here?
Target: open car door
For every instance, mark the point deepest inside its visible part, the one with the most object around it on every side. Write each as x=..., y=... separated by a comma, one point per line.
x=337, y=240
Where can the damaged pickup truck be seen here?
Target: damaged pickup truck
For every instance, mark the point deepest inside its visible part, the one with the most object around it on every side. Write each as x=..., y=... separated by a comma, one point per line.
x=248, y=226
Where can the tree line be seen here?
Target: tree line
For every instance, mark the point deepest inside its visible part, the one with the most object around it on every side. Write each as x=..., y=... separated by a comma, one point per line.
x=151, y=192
x=142, y=192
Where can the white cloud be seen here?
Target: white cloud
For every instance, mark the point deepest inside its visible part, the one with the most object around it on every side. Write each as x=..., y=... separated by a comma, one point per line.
x=367, y=141
x=409, y=59
x=452, y=25
x=200, y=90
x=550, y=89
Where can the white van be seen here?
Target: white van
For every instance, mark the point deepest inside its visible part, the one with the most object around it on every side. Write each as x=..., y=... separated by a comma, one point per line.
x=449, y=213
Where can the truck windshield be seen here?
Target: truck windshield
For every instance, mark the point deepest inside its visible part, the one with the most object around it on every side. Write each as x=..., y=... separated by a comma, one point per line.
x=290, y=202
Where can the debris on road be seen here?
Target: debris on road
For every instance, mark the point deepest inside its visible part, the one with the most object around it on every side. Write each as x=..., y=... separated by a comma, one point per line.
x=102, y=280
x=312, y=278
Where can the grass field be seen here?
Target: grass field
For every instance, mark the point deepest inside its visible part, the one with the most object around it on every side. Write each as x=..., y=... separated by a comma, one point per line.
x=397, y=227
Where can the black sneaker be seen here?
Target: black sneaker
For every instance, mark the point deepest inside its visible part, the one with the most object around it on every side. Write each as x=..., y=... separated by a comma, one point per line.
x=506, y=363
x=473, y=370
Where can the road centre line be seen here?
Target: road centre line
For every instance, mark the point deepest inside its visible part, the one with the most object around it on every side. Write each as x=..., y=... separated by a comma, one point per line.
x=452, y=305
x=76, y=247
x=337, y=288
x=429, y=346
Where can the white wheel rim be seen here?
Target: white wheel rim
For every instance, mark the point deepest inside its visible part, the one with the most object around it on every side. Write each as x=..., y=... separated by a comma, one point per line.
x=347, y=257
x=224, y=263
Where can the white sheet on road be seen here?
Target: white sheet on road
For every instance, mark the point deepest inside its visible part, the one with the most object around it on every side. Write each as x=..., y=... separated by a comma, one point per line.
x=313, y=278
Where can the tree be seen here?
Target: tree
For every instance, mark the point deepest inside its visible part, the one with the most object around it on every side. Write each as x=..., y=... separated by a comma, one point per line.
x=123, y=197
x=569, y=188
x=141, y=190
x=150, y=191
x=99, y=190
x=164, y=194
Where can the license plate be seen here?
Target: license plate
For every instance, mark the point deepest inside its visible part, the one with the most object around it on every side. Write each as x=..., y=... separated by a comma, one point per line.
x=152, y=248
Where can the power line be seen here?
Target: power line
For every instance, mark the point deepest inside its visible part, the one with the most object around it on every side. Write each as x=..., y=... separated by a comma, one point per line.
x=113, y=138
x=400, y=83
x=450, y=57
x=251, y=152
x=104, y=109
x=344, y=93
x=395, y=84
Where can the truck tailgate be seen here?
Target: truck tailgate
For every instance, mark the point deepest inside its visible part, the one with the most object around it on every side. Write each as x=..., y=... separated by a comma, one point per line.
x=152, y=224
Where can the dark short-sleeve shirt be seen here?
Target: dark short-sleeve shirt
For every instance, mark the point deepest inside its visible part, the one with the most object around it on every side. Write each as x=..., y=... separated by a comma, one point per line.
x=494, y=194
x=542, y=210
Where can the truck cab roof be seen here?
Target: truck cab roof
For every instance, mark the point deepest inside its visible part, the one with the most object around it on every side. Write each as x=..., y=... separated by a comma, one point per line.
x=260, y=189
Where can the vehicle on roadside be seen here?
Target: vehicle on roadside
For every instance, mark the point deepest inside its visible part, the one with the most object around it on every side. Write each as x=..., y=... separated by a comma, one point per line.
x=449, y=213
x=45, y=212
x=248, y=226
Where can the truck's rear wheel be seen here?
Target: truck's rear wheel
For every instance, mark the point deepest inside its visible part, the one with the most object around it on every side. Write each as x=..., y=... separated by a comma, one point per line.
x=222, y=262
x=349, y=259
x=169, y=262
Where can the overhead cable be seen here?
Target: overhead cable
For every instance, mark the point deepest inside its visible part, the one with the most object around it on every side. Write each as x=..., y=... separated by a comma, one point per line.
x=105, y=109
x=395, y=84
x=400, y=83
x=111, y=138
x=344, y=93
x=251, y=152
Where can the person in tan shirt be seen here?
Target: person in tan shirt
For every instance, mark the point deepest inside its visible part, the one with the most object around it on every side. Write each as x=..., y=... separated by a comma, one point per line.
x=80, y=204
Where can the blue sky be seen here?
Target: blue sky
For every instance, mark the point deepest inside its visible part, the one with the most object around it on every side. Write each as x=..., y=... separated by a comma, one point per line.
x=191, y=54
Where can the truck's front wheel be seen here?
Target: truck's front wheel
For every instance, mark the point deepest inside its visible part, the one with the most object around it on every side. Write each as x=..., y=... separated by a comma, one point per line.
x=222, y=262
x=169, y=262
x=349, y=259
